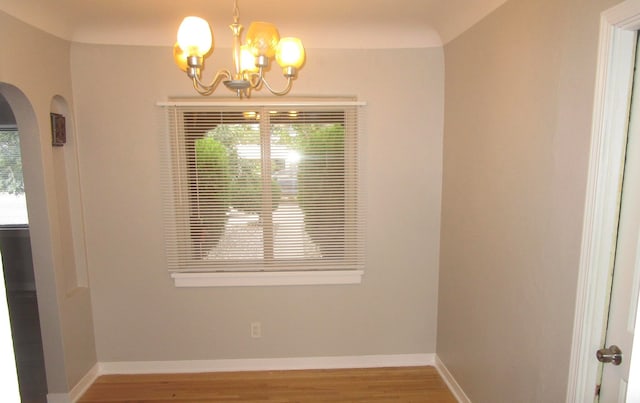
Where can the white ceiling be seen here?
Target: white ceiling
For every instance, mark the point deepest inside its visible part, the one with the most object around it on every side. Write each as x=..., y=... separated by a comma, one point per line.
x=319, y=23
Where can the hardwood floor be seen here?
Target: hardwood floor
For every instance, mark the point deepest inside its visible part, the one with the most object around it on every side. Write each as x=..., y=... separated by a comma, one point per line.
x=410, y=384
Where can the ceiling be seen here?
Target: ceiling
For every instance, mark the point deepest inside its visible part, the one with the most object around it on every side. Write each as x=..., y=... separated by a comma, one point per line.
x=319, y=23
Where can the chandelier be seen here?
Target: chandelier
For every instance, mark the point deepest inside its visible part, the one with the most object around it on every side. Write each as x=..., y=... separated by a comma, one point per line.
x=251, y=59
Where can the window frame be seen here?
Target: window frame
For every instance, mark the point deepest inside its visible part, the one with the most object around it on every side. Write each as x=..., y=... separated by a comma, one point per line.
x=259, y=276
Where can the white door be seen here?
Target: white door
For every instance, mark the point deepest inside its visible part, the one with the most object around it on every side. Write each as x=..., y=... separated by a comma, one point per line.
x=626, y=273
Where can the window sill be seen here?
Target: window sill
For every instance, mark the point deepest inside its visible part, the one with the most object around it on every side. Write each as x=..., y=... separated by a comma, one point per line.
x=243, y=279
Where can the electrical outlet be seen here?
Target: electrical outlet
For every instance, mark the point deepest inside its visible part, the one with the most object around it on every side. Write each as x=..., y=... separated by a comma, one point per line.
x=256, y=330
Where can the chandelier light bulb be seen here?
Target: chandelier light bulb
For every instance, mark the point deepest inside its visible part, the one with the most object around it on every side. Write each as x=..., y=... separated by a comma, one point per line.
x=290, y=53
x=247, y=60
x=195, y=37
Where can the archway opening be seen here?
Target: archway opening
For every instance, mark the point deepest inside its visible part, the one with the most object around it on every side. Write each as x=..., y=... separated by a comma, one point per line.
x=15, y=248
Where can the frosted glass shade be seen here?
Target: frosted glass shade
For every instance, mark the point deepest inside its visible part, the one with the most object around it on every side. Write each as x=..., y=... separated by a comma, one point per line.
x=290, y=53
x=180, y=58
x=195, y=37
x=262, y=39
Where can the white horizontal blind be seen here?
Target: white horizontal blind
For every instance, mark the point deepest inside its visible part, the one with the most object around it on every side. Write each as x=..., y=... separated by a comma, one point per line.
x=263, y=187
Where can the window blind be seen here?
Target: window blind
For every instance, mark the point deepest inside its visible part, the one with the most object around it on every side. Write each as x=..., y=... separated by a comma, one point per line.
x=263, y=187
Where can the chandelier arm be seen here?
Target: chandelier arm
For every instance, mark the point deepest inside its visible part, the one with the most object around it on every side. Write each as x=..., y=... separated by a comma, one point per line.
x=283, y=92
x=255, y=80
x=207, y=89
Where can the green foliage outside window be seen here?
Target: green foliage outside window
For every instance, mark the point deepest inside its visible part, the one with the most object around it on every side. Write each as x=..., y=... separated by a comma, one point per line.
x=212, y=184
x=321, y=183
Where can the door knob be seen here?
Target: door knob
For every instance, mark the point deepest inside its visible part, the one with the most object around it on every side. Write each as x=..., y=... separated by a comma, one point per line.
x=612, y=355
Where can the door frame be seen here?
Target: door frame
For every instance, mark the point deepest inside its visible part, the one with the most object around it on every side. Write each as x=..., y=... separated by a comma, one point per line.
x=614, y=79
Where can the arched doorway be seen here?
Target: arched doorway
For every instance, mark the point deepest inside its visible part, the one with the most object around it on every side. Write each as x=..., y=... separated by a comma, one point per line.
x=15, y=247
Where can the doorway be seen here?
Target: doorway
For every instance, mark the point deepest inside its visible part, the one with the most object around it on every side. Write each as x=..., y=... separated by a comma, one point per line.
x=615, y=68
x=621, y=315
x=15, y=248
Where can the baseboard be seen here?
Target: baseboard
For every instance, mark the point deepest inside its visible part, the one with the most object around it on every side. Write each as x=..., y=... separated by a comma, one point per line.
x=453, y=385
x=78, y=390
x=84, y=383
x=265, y=364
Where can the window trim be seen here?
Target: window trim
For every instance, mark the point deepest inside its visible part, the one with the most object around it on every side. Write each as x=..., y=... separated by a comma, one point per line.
x=267, y=278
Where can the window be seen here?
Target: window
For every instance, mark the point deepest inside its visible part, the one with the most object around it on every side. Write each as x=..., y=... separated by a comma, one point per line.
x=269, y=189
x=13, y=204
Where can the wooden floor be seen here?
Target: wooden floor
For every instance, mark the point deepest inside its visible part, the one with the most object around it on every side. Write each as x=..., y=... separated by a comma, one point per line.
x=412, y=384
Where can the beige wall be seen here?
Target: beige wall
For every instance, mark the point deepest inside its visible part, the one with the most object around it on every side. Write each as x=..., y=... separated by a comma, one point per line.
x=519, y=90
x=35, y=78
x=139, y=315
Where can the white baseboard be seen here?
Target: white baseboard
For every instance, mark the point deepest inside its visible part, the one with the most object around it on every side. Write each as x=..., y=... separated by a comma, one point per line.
x=84, y=383
x=265, y=364
x=448, y=378
x=78, y=390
